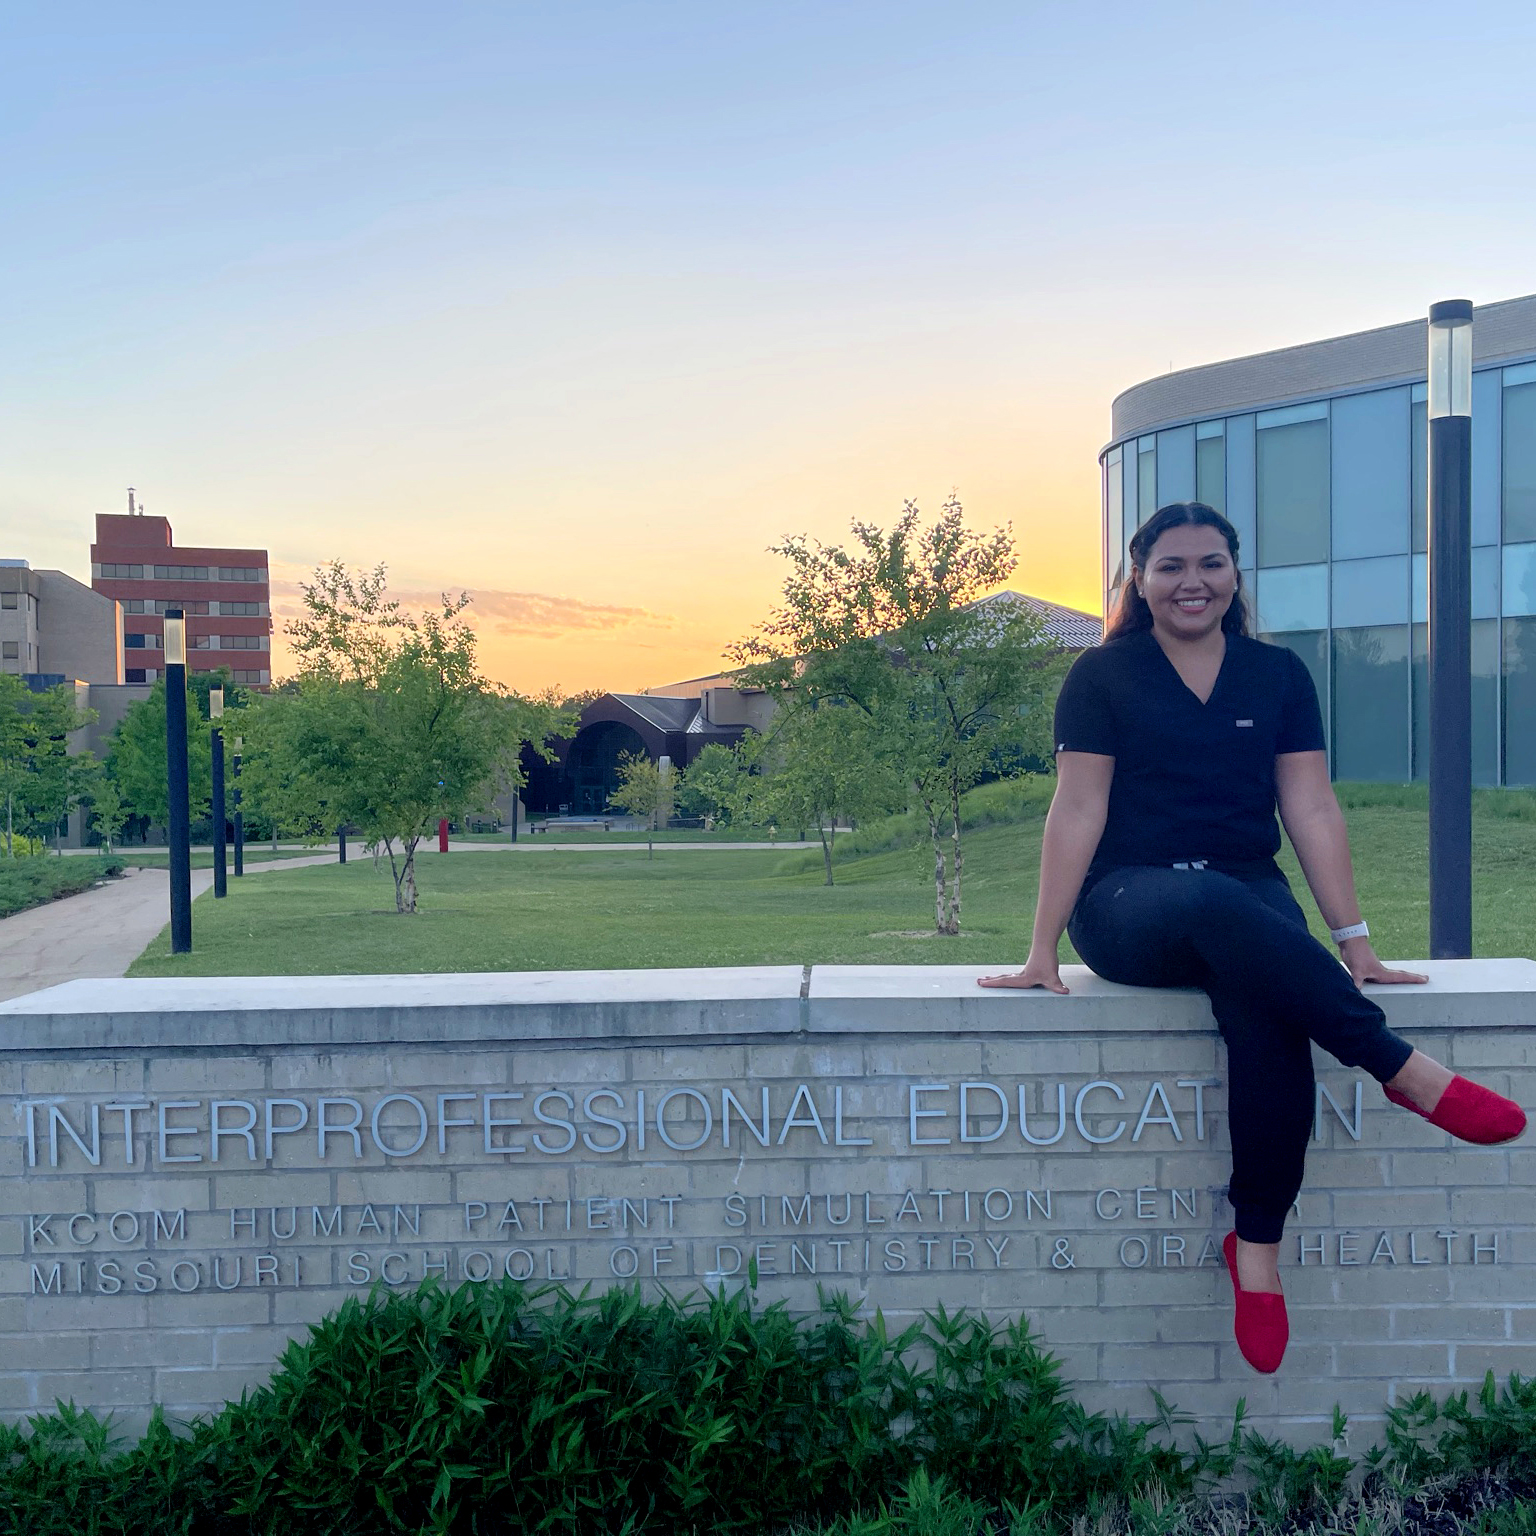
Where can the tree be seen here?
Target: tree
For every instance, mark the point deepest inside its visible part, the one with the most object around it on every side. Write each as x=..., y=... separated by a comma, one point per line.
x=45, y=780
x=391, y=726
x=136, y=758
x=822, y=762
x=711, y=785
x=109, y=810
x=895, y=627
x=14, y=701
x=646, y=789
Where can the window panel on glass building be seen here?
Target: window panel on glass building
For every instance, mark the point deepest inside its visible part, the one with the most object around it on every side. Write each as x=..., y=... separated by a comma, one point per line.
x=1519, y=462
x=1176, y=465
x=1293, y=481
x=1294, y=597
x=1485, y=702
x=1487, y=433
x=1370, y=592
x=1312, y=646
x=1419, y=468
x=1369, y=440
x=1241, y=480
x=1520, y=702
x=1371, y=690
x=1146, y=479
x=1211, y=464
x=1519, y=597
x=1114, y=522
x=1128, y=482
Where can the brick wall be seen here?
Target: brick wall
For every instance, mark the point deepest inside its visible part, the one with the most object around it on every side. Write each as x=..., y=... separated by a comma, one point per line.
x=366, y=1130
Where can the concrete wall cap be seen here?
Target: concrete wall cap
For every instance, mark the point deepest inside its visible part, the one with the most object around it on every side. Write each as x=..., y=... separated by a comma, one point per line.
x=581, y=1007
x=198, y=994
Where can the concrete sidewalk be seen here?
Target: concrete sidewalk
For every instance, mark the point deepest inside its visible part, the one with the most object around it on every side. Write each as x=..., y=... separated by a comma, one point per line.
x=100, y=932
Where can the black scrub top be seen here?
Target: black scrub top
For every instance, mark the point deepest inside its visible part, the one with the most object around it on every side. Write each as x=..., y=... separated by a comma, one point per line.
x=1192, y=780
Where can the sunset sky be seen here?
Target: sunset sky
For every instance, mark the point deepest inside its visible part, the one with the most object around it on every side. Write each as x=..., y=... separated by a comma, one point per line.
x=580, y=306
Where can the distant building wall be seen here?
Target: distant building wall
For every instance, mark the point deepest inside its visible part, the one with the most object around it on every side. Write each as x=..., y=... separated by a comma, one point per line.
x=51, y=623
x=225, y=593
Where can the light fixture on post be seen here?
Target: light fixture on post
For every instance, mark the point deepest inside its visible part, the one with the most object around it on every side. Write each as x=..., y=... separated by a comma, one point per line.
x=239, y=745
x=1450, y=629
x=216, y=745
x=178, y=831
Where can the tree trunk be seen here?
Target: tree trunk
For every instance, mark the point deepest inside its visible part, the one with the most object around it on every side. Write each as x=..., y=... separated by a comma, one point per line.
x=955, y=860
x=938, y=873
x=405, y=883
x=826, y=849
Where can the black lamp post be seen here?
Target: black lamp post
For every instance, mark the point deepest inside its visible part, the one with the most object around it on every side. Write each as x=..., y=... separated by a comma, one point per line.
x=216, y=745
x=239, y=815
x=1450, y=629
x=178, y=830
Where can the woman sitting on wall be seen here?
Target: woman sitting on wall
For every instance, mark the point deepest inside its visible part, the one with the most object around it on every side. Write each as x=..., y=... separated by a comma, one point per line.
x=1175, y=740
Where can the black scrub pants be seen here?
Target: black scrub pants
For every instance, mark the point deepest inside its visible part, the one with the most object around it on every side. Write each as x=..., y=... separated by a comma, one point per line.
x=1273, y=988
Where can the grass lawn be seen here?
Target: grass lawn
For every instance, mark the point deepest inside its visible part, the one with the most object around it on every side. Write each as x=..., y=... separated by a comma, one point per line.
x=480, y=912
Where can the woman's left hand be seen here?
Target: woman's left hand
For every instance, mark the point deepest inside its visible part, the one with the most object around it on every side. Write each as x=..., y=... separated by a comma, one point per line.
x=1364, y=965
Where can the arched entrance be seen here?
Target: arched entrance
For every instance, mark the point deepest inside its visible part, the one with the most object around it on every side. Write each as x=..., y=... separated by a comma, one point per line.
x=592, y=765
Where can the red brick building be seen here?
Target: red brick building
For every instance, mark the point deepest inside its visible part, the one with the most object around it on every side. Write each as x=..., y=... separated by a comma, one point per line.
x=224, y=593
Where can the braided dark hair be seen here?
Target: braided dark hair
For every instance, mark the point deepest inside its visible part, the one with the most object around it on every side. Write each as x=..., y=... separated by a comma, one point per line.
x=1132, y=615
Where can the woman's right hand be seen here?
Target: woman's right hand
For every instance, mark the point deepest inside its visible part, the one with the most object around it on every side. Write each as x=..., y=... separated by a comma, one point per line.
x=1039, y=971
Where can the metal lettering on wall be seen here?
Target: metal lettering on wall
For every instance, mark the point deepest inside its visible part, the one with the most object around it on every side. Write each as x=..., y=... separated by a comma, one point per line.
x=532, y=1226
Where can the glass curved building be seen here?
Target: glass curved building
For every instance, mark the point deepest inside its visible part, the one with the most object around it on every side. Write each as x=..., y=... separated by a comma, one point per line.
x=1319, y=455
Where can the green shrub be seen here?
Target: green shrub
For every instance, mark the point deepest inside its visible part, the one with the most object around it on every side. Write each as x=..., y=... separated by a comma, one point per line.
x=496, y=1409
x=30, y=882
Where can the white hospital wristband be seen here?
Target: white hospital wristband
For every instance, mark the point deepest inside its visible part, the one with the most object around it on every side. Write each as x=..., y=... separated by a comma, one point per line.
x=1354, y=931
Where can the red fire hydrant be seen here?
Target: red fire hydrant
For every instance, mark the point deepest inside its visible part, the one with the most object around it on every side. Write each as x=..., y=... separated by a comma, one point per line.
x=442, y=835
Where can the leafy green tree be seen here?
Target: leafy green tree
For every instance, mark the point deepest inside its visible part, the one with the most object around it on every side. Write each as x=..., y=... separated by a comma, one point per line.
x=109, y=811
x=390, y=725
x=895, y=627
x=51, y=778
x=646, y=788
x=136, y=754
x=136, y=758
x=15, y=700
x=712, y=784
x=823, y=762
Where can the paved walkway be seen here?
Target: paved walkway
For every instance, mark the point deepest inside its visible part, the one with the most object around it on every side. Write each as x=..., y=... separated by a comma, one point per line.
x=100, y=932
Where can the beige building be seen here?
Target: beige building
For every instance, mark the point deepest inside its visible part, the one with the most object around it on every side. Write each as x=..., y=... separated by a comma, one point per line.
x=54, y=626
x=54, y=629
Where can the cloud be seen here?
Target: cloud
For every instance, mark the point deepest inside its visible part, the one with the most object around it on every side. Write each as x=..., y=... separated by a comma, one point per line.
x=535, y=614
x=538, y=614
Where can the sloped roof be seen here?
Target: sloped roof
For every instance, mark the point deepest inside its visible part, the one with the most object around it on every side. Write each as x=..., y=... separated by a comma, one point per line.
x=666, y=714
x=1070, y=628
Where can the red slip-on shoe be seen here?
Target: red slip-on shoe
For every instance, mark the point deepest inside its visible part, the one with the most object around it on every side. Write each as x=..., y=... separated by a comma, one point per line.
x=1259, y=1322
x=1469, y=1112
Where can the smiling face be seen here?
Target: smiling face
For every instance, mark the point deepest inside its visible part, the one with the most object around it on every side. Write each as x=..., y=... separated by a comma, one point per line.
x=1189, y=581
